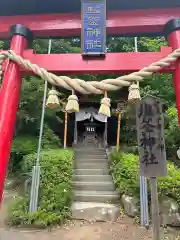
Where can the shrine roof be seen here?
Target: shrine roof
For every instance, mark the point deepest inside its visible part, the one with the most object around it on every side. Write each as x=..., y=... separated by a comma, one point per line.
x=24, y=7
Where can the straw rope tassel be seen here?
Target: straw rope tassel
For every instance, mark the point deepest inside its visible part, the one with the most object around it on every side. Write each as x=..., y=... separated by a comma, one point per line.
x=105, y=105
x=72, y=104
x=53, y=100
x=134, y=92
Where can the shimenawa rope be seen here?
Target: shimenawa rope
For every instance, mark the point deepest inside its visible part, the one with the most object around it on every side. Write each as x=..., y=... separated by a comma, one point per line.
x=92, y=87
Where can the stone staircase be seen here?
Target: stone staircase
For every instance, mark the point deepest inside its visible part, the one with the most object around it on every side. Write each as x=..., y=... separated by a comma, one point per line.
x=93, y=187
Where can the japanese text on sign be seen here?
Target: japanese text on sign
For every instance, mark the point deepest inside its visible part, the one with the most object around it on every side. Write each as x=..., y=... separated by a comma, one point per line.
x=150, y=128
x=94, y=26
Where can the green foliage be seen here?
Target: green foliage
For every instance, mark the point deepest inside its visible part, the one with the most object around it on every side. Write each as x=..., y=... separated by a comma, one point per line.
x=172, y=131
x=152, y=86
x=21, y=146
x=29, y=113
x=27, y=144
x=125, y=169
x=151, y=44
x=30, y=108
x=28, y=123
x=68, y=45
x=169, y=186
x=24, y=145
x=49, y=139
x=55, y=190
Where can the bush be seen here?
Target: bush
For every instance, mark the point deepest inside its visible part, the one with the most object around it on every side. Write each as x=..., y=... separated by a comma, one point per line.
x=125, y=169
x=27, y=144
x=24, y=145
x=54, y=194
x=50, y=139
x=21, y=146
x=172, y=130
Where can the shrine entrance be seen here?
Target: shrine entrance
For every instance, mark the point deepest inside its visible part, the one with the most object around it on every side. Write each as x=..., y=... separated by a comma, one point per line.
x=93, y=20
x=91, y=128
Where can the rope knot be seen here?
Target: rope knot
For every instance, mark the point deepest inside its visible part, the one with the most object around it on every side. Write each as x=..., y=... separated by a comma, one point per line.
x=53, y=92
x=106, y=101
x=133, y=86
x=73, y=97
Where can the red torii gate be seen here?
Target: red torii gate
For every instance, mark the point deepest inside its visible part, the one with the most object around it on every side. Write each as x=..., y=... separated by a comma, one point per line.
x=118, y=23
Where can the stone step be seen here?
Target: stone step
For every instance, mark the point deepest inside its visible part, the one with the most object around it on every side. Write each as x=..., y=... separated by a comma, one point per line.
x=90, y=165
x=91, y=171
x=93, y=160
x=92, y=178
x=90, y=153
x=93, y=186
x=90, y=150
x=93, y=196
x=89, y=146
x=90, y=156
x=92, y=211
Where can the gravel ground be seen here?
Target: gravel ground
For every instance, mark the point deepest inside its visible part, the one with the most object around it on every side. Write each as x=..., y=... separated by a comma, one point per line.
x=123, y=229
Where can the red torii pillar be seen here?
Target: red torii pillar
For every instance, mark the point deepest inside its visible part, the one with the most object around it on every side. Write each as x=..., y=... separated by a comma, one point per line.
x=9, y=95
x=172, y=32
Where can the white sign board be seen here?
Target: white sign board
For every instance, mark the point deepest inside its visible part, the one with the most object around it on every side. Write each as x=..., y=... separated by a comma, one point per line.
x=150, y=131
